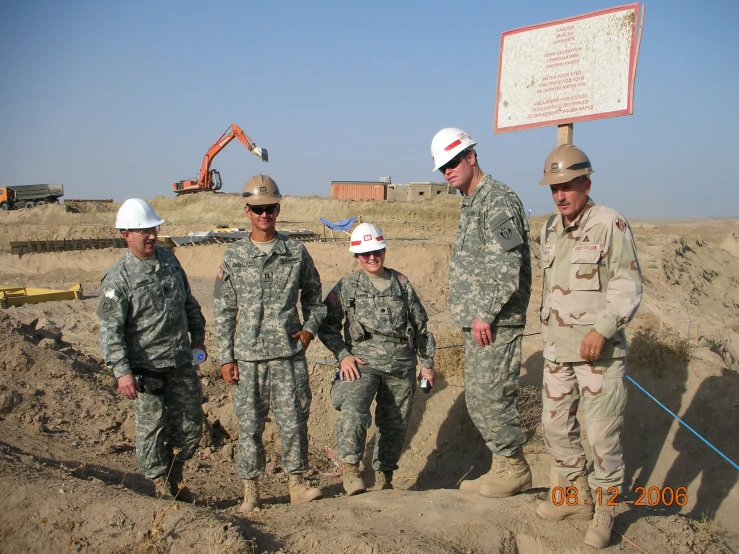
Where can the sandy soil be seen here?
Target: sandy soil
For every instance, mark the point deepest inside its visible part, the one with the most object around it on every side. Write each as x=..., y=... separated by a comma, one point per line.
x=69, y=476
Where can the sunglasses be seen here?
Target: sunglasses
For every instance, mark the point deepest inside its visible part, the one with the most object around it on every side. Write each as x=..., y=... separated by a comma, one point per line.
x=454, y=162
x=259, y=210
x=145, y=232
x=376, y=253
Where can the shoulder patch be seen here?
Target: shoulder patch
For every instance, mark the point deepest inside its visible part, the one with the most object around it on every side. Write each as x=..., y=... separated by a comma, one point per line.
x=507, y=235
x=621, y=224
x=333, y=299
x=110, y=294
x=219, y=272
x=499, y=219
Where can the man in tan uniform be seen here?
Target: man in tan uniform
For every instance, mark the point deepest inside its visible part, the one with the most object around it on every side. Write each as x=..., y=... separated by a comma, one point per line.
x=592, y=288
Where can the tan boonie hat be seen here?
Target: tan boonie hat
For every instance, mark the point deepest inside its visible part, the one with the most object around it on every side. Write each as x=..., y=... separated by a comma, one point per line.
x=564, y=163
x=261, y=190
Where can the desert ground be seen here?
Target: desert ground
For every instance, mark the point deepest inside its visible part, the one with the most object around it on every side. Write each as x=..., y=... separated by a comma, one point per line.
x=67, y=467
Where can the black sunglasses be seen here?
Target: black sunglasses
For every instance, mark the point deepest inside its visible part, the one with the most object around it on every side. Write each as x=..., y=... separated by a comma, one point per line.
x=259, y=210
x=376, y=253
x=454, y=162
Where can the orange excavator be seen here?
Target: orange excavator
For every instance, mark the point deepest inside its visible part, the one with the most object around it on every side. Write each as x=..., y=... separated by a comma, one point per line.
x=210, y=179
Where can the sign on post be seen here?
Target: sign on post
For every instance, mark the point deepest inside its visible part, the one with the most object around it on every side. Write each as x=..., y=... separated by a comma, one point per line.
x=571, y=70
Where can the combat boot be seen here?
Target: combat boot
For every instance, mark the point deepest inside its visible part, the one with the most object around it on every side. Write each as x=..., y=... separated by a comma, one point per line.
x=177, y=486
x=252, y=502
x=353, y=483
x=384, y=481
x=599, y=532
x=582, y=509
x=162, y=488
x=512, y=475
x=301, y=490
x=473, y=485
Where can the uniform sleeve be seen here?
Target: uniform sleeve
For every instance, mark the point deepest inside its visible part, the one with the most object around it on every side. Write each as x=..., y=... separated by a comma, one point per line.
x=195, y=318
x=624, y=292
x=224, y=312
x=330, y=330
x=424, y=341
x=314, y=311
x=504, y=232
x=111, y=311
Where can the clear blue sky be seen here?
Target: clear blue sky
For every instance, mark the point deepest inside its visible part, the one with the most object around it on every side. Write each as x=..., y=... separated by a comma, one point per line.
x=121, y=99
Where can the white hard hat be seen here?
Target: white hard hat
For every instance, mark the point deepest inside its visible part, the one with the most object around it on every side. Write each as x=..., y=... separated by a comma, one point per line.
x=447, y=143
x=137, y=214
x=366, y=238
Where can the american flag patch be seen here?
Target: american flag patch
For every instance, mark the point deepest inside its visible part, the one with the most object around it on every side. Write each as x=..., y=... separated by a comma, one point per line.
x=219, y=273
x=332, y=299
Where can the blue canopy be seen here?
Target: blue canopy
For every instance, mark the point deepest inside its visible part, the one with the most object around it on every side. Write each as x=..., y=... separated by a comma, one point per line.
x=343, y=225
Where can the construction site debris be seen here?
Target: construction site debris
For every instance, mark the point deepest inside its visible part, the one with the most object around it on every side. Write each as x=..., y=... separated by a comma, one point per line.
x=17, y=296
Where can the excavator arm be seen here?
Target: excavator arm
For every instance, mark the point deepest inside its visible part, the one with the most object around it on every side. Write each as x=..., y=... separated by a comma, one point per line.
x=204, y=180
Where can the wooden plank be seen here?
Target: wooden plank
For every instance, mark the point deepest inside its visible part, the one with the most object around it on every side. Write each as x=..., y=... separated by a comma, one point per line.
x=565, y=133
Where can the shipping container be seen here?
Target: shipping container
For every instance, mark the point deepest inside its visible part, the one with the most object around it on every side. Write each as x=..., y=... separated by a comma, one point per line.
x=358, y=190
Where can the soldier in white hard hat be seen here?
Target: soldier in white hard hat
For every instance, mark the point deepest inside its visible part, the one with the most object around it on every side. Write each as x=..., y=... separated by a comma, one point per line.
x=149, y=324
x=262, y=340
x=384, y=338
x=489, y=289
x=592, y=288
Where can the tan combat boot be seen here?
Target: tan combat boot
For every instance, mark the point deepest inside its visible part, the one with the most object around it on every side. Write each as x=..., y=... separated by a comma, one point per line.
x=301, y=490
x=599, y=532
x=162, y=488
x=353, y=483
x=384, y=481
x=512, y=476
x=473, y=485
x=252, y=502
x=177, y=486
x=582, y=508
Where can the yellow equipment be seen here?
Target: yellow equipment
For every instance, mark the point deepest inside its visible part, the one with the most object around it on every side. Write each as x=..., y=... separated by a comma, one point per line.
x=16, y=296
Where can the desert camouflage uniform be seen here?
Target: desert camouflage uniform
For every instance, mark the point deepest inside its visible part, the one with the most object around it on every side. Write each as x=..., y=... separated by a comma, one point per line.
x=490, y=280
x=146, y=312
x=395, y=333
x=592, y=280
x=255, y=315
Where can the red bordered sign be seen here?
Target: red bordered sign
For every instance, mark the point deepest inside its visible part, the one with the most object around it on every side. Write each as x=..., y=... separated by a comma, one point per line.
x=570, y=70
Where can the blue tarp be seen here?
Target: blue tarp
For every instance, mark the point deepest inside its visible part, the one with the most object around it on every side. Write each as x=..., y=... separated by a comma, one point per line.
x=343, y=225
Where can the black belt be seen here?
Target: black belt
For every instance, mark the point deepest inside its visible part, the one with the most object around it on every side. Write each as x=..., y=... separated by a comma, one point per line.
x=385, y=338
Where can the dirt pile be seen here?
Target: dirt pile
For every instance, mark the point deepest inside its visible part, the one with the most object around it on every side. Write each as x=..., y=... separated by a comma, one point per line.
x=67, y=467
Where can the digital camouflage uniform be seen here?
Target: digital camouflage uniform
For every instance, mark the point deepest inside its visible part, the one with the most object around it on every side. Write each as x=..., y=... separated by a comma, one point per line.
x=255, y=315
x=393, y=323
x=490, y=280
x=146, y=313
x=592, y=280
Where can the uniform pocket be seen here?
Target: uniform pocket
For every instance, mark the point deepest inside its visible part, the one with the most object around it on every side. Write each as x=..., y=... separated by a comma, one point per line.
x=149, y=293
x=584, y=270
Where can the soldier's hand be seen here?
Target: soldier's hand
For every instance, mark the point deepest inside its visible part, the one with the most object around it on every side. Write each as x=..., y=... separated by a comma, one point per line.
x=349, y=370
x=482, y=333
x=230, y=372
x=128, y=386
x=592, y=346
x=428, y=373
x=305, y=337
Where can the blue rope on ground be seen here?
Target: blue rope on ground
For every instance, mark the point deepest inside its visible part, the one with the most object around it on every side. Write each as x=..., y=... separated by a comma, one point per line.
x=688, y=427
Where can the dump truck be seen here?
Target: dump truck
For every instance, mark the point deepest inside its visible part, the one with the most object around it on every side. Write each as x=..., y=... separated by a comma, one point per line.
x=28, y=196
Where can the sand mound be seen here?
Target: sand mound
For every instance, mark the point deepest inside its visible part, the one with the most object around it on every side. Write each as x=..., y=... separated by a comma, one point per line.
x=65, y=428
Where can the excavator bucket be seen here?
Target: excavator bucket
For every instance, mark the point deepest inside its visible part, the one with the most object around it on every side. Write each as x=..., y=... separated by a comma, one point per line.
x=261, y=152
